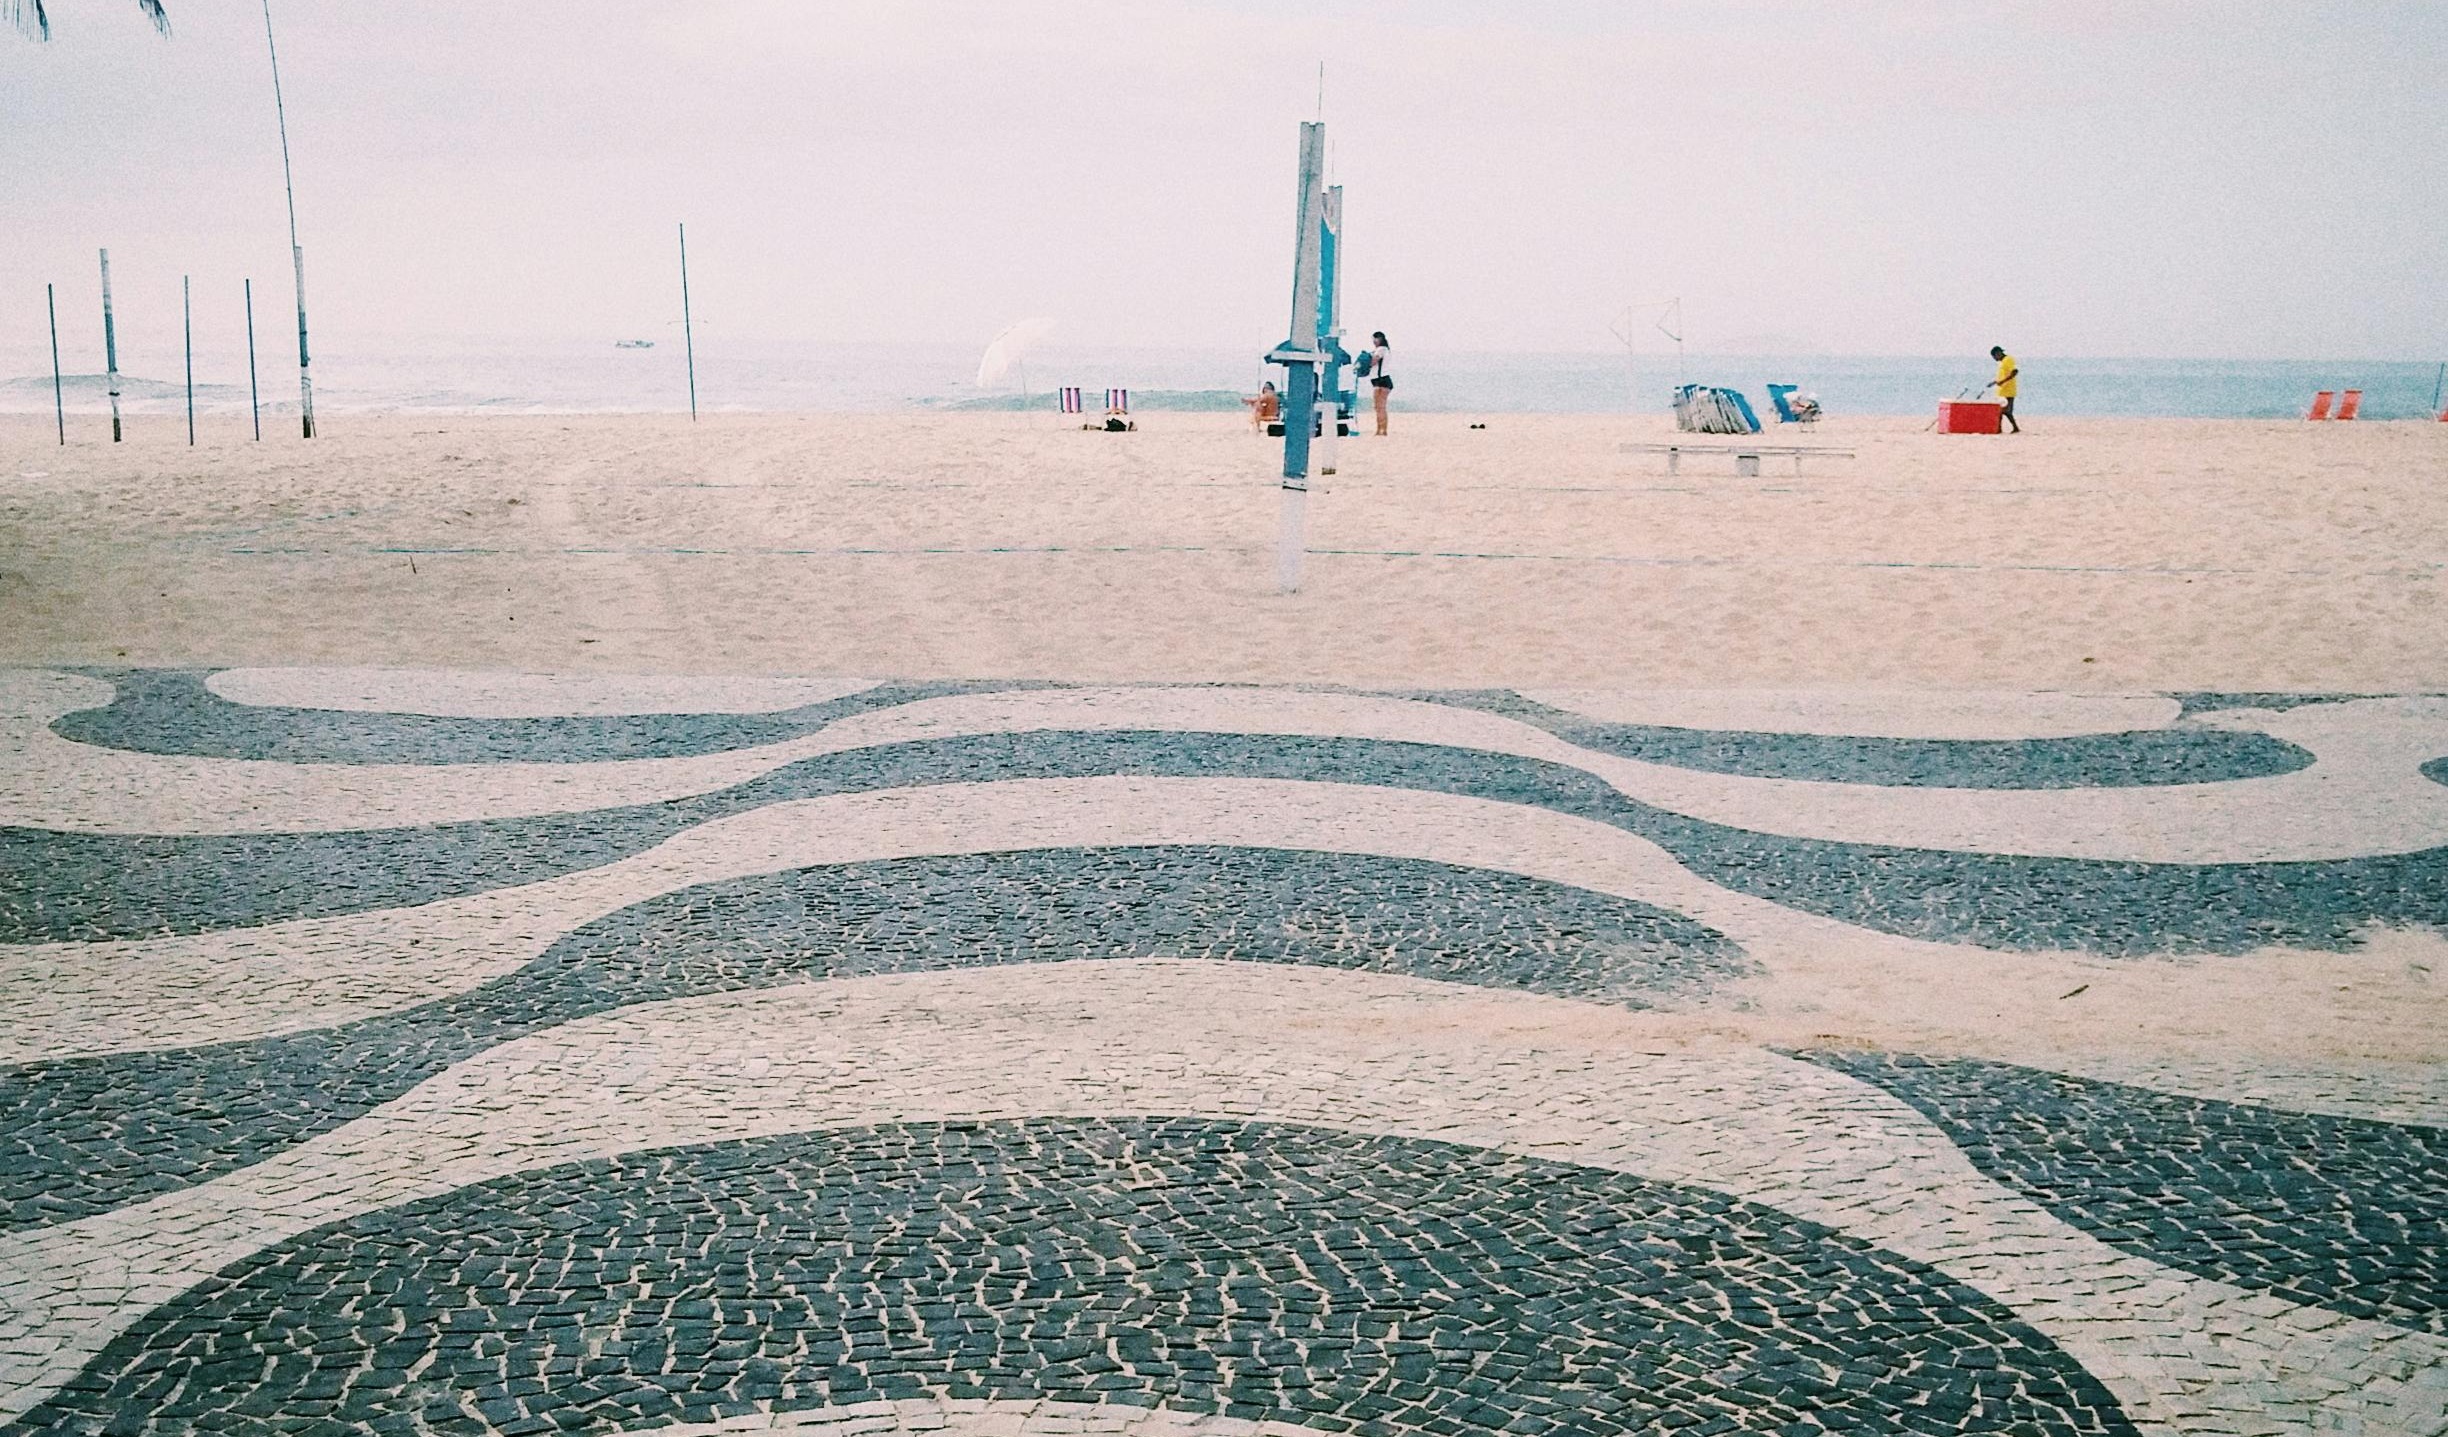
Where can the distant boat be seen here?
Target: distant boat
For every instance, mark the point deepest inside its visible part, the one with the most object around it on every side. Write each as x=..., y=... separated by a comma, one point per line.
x=633, y=344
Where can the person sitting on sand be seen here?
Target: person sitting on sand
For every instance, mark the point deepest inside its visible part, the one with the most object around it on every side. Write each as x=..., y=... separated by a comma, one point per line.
x=1117, y=421
x=1266, y=408
x=2005, y=384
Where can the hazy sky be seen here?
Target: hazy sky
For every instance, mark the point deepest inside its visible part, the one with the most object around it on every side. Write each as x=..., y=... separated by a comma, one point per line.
x=2087, y=177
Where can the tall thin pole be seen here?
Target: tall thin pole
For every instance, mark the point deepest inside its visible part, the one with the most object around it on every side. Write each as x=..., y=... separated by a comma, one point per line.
x=297, y=255
x=110, y=347
x=187, y=326
x=254, y=403
x=59, y=401
x=2437, y=385
x=688, y=328
x=1301, y=355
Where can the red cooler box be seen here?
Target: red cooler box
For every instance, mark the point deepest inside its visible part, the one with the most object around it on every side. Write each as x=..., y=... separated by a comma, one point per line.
x=1970, y=416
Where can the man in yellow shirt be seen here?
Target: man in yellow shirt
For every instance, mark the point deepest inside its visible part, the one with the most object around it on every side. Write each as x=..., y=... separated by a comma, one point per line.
x=2005, y=383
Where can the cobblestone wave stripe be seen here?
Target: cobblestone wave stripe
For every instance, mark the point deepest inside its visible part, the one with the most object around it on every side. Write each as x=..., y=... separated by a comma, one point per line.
x=501, y=694
x=1877, y=712
x=2349, y=1214
x=58, y=886
x=982, y=1417
x=2136, y=758
x=85, y=999
x=2360, y=797
x=2193, y=703
x=1354, y=1051
x=170, y=711
x=84, y=1135
x=173, y=712
x=1256, y=1270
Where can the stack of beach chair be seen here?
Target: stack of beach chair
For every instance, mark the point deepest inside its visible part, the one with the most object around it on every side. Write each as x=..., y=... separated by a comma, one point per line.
x=1706, y=409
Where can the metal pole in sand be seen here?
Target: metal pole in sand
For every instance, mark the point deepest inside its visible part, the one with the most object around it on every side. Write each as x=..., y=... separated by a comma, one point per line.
x=187, y=329
x=2437, y=386
x=688, y=328
x=1329, y=329
x=110, y=348
x=297, y=255
x=59, y=400
x=254, y=402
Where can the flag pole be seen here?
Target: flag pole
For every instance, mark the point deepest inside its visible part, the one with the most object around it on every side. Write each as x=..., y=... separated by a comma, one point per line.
x=187, y=330
x=297, y=255
x=254, y=400
x=59, y=401
x=688, y=326
x=110, y=348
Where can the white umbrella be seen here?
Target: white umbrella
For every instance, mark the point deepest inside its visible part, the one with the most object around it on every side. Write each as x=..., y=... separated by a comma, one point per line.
x=1010, y=348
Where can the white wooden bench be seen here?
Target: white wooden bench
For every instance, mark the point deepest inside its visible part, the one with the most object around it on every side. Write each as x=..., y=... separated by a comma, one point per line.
x=1746, y=456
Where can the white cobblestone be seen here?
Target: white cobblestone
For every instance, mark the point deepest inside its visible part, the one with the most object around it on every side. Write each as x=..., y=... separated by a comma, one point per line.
x=1355, y=1051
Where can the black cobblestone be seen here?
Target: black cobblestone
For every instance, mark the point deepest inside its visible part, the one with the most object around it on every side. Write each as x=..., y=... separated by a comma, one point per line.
x=2203, y=702
x=82, y=1135
x=2344, y=1213
x=1367, y=1284
x=69, y=886
x=2133, y=759
x=170, y=711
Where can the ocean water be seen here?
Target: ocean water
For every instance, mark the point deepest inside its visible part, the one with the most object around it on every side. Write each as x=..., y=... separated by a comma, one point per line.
x=531, y=376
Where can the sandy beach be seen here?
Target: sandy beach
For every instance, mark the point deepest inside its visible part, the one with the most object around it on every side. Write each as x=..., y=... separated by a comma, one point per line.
x=571, y=793
x=2094, y=555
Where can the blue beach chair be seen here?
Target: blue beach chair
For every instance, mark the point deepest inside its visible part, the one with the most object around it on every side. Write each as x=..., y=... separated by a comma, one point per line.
x=1790, y=410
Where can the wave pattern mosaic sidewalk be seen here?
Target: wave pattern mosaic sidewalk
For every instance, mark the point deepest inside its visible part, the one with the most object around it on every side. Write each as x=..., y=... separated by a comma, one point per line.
x=505, y=1054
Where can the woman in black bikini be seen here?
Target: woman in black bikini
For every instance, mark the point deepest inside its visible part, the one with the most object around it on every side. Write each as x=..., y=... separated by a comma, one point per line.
x=1381, y=383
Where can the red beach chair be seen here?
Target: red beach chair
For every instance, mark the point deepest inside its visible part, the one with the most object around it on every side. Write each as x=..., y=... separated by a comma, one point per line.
x=2320, y=405
x=2349, y=402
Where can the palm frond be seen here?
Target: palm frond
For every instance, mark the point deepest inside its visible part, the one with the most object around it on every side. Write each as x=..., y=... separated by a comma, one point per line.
x=34, y=21
x=29, y=17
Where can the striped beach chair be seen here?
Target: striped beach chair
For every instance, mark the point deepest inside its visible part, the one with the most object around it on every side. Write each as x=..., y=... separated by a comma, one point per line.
x=1071, y=402
x=1117, y=401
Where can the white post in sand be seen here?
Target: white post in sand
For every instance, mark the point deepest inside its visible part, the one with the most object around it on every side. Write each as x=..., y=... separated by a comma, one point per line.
x=110, y=347
x=1288, y=540
x=297, y=253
